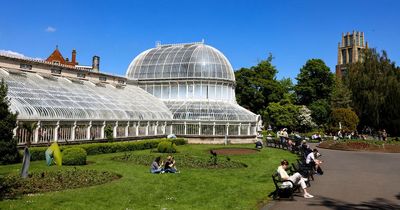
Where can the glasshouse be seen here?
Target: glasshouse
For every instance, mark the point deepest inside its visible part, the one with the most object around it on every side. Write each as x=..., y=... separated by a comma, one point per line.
x=182, y=89
x=197, y=83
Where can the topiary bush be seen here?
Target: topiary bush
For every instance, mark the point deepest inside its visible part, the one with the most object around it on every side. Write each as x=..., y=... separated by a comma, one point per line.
x=74, y=156
x=166, y=147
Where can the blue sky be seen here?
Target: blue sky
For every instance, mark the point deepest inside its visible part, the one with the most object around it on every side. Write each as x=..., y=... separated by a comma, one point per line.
x=244, y=30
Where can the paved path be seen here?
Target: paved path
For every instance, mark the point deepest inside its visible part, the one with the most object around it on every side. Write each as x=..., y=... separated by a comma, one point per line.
x=352, y=180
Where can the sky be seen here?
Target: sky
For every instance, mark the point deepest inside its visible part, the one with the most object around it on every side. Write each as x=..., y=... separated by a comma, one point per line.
x=245, y=31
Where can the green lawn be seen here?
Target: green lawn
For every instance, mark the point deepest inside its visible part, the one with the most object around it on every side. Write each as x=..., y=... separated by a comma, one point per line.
x=243, y=188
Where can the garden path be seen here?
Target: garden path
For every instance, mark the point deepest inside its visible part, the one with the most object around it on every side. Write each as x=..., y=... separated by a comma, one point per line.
x=352, y=180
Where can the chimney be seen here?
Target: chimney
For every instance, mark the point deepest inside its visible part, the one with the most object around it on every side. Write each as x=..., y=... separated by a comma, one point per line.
x=73, y=61
x=96, y=63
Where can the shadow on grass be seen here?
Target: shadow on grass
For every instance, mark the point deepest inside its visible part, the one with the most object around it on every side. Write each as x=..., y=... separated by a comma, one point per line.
x=375, y=204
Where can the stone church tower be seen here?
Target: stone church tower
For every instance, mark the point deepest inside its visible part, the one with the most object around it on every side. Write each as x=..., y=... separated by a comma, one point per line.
x=349, y=51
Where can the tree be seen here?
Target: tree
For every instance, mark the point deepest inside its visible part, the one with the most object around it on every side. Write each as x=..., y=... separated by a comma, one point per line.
x=375, y=84
x=346, y=117
x=320, y=111
x=257, y=86
x=341, y=95
x=314, y=82
x=8, y=144
x=282, y=114
x=305, y=119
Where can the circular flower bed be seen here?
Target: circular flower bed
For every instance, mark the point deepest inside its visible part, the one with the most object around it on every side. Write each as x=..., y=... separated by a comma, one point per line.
x=184, y=161
x=234, y=151
x=13, y=185
x=362, y=145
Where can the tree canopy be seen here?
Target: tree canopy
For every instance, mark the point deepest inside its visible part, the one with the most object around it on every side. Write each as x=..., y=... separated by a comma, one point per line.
x=375, y=84
x=8, y=145
x=257, y=86
x=314, y=82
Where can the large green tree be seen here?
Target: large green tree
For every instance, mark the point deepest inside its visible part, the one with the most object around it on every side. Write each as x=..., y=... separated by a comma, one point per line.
x=320, y=110
x=314, y=82
x=375, y=84
x=282, y=114
x=257, y=86
x=341, y=95
x=8, y=145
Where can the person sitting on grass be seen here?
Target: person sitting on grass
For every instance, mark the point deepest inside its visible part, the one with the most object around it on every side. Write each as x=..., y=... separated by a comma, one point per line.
x=259, y=144
x=169, y=166
x=156, y=166
x=296, y=178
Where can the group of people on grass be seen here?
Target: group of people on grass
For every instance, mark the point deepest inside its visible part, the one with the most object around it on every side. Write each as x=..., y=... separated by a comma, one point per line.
x=311, y=159
x=158, y=166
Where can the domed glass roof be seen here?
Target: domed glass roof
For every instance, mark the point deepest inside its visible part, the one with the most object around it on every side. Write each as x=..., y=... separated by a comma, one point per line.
x=181, y=61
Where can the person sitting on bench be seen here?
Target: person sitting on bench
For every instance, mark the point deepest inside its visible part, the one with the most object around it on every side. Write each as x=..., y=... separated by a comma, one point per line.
x=314, y=162
x=296, y=178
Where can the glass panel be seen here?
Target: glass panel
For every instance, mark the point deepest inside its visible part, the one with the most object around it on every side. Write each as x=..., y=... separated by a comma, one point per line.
x=174, y=91
x=165, y=91
x=211, y=91
x=197, y=91
x=204, y=91
x=182, y=91
x=190, y=91
x=157, y=91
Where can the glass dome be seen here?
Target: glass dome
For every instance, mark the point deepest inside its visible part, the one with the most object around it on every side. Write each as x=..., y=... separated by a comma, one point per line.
x=181, y=61
x=39, y=97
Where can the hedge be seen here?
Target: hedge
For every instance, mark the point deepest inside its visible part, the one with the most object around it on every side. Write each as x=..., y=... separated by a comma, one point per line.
x=37, y=153
x=74, y=156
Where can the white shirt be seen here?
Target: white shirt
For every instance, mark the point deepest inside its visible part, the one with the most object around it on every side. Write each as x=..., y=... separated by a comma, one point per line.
x=284, y=176
x=310, y=157
x=282, y=173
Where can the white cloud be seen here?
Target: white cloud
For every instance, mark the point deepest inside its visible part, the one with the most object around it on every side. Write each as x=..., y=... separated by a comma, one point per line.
x=50, y=29
x=16, y=54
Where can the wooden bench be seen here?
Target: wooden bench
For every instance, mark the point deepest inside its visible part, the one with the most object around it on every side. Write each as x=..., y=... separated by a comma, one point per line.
x=282, y=190
x=270, y=142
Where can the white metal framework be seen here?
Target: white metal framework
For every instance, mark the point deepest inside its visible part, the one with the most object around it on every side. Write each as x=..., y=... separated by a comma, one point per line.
x=197, y=83
x=185, y=89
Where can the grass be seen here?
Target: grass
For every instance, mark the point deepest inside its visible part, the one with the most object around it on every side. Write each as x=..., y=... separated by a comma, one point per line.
x=193, y=188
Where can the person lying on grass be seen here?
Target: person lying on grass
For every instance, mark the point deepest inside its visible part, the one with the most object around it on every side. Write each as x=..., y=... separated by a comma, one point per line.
x=296, y=178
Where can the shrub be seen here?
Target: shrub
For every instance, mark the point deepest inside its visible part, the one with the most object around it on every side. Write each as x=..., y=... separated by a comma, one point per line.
x=108, y=132
x=74, y=156
x=37, y=153
x=166, y=147
x=346, y=117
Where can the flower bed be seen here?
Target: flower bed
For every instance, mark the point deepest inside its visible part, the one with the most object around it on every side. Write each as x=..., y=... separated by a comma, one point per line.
x=362, y=145
x=183, y=161
x=13, y=185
